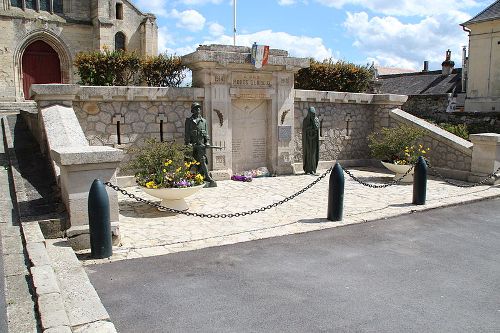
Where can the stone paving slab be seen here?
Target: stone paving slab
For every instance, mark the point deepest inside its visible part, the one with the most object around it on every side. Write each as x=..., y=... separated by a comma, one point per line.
x=148, y=232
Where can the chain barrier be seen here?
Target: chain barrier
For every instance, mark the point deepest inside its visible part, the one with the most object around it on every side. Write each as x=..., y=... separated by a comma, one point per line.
x=482, y=182
x=216, y=216
x=394, y=182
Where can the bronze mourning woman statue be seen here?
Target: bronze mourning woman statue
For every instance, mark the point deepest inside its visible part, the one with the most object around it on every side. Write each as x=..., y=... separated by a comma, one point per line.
x=310, y=142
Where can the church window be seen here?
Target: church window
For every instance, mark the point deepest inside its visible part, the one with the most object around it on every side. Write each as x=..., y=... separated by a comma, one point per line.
x=120, y=41
x=45, y=5
x=16, y=3
x=119, y=11
x=58, y=6
x=55, y=6
x=31, y=4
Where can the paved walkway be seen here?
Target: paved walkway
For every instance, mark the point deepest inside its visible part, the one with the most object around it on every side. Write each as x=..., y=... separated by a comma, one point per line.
x=148, y=232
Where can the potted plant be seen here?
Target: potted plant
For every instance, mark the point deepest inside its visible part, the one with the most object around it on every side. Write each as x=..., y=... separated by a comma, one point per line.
x=397, y=149
x=166, y=170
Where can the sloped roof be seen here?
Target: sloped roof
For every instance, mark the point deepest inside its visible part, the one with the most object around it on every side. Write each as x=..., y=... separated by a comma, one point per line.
x=490, y=13
x=421, y=83
x=392, y=70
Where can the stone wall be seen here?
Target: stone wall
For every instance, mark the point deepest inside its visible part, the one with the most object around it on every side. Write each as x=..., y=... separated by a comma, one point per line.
x=427, y=106
x=139, y=111
x=346, y=119
x=447, y=151
x=434, y=107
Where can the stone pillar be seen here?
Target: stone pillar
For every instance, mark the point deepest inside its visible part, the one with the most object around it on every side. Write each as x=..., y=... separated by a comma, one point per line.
x=485, y=156
x=76, y=163
x=283, y=119
x=79, y=167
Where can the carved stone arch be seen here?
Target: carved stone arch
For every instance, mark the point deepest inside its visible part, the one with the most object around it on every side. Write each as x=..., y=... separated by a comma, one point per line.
x=56, y=43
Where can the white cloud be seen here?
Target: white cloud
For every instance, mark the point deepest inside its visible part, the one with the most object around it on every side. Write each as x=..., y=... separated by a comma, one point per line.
x=157, y=7
x=286, y=2
x=199, y=2
x=189, y=19
x=164, y=39
x=216, y=29
x=298, y=46
x=393, y=43
x=406, y=7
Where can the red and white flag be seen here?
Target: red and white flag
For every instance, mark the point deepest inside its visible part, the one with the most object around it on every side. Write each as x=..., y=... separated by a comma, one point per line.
x=260, y=55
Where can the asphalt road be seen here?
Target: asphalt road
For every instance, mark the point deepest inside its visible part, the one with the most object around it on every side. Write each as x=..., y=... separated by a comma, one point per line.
x=437, y=271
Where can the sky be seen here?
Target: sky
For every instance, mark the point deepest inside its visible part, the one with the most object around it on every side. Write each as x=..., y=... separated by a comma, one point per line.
x=399, y=33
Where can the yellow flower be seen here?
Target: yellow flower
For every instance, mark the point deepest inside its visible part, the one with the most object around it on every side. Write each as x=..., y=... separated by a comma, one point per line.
x=168, y=162
x=178, y=169
x=199, y=178
x=151, y=184
x=165, y=170
x=423, y=151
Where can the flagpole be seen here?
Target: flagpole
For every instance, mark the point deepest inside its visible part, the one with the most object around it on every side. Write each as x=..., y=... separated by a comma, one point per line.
x=234, y=22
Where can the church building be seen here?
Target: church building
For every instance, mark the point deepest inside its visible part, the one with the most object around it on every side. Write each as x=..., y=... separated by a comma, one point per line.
x=40, y=38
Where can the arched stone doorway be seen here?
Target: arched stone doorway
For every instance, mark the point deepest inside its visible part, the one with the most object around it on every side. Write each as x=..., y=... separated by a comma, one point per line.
x=40, y=64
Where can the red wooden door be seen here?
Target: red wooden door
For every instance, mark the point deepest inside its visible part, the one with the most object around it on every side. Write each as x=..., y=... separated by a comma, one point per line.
x=40, y=65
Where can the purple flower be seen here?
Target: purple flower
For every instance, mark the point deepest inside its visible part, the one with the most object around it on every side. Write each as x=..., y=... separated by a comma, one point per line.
x=182, y=183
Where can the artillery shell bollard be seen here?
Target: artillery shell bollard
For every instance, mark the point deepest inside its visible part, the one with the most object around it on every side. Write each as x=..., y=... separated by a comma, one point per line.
x=420, y=182
x=99, y=221
x=336, y=194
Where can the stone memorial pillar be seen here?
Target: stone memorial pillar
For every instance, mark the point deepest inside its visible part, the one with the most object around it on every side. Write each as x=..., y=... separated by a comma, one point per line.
x=485, y=156
x=249, y=110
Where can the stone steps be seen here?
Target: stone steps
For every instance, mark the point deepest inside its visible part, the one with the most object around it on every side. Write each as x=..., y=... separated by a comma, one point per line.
x=16, y=107
x=65, y=299
x=21, y=314
x=36, y=187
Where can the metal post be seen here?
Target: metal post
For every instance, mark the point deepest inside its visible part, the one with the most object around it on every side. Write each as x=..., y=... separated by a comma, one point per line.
x=336, y=194
x=420, y=182
x=99, y=221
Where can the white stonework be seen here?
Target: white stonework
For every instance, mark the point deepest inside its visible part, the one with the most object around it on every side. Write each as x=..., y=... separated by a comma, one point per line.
x=84, y=25
x=244, y=106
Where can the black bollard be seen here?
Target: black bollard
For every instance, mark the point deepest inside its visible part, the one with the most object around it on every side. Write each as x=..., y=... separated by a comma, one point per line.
x=336, y=194
x=420, y=182
x=99, y=221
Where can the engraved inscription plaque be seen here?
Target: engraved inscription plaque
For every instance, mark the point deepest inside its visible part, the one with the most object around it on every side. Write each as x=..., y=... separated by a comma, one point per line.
x=249, y=147
x=252, y=80
x=285, y=132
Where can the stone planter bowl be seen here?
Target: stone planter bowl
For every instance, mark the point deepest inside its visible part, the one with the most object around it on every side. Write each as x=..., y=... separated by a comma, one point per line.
x=400, y=170
x=173, y=197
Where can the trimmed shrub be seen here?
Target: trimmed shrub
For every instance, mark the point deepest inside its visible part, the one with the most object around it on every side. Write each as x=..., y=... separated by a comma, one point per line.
x=120, y=68
x=108, y=68
x=390, y=143
x=163, y=71
x=334, y=76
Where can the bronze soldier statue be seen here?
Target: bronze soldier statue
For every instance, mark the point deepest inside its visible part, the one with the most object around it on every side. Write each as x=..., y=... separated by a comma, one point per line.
x=196, y=135
x=310, y=142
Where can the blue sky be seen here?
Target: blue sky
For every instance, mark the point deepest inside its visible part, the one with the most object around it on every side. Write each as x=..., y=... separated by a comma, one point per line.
x=400, y=33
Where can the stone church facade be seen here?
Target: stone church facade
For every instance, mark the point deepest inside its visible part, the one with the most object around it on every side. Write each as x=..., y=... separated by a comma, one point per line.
x=40, y=38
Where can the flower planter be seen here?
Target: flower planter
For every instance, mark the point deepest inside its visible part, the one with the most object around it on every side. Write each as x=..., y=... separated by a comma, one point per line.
x=173, y=197
x=400, y=170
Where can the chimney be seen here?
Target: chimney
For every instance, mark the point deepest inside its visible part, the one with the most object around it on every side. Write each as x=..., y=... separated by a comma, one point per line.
x=426, y=66
x=448, y=64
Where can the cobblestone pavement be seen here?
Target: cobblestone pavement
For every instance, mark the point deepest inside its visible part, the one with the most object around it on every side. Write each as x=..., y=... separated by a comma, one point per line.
x=148, y=232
